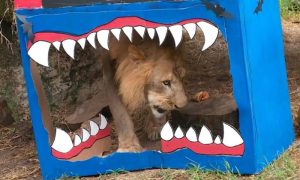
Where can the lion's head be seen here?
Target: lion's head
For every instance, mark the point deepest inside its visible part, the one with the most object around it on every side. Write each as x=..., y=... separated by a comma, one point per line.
x=152, y=76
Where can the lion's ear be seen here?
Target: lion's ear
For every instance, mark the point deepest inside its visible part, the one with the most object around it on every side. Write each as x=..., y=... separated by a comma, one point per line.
x=135, y=54
x=181, y=71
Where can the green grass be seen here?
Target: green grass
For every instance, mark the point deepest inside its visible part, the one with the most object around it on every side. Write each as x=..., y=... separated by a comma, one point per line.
x=283, y=168
x=197, y=173
x=290, y=9
x=114, y=174
x=287, y=166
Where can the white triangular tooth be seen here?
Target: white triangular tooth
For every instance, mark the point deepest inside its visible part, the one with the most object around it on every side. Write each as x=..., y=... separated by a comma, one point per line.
x=91, y=39
x=178, y=133
x=39, y=52
x=102, y=37
x=85, y=135
x=77, y=140
x=231, y=136
x=217, y=140
x=205, y=136
x=69, y=47
x=151, y=32
x=94, y=128
x=191, y=29
x=161, y=32
x=103, y=122
x=191, y=135
x=56, y=44
x=82, y=42
x=116, y=33
x=210, y=33
x=62, y=141
x=176, y=32
x=128, y=32
x=167, y=132
x=140, y=30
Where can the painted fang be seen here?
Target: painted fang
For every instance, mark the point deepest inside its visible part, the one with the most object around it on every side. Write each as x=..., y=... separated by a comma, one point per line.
x=39, y=50
x=205, y=136
x=166, y=132
x=64, y=147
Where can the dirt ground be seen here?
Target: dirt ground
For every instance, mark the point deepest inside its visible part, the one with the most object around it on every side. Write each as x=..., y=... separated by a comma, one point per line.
x=18, y=158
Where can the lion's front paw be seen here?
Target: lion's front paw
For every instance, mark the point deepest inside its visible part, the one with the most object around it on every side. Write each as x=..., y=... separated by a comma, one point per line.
x=153, y=133
x=132, y=148
x=153, y=128
x=153, y=136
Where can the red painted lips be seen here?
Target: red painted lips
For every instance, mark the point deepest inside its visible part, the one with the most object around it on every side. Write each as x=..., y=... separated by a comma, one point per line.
x=64, y=148
x=232, y=143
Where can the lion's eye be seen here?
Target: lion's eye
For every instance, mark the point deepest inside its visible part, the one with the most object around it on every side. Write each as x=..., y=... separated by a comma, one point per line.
x=167, y=83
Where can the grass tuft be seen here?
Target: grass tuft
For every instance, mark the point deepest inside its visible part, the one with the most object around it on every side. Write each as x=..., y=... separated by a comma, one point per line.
x=282, y=168
x=290, y=9
x=197, y=173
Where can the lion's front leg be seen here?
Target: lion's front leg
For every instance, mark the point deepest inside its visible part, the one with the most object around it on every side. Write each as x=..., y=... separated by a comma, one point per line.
x=153, y=127
x=128, y=141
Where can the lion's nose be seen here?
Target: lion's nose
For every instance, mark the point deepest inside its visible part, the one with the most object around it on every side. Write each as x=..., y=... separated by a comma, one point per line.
x=181, y=103
x=178, y=107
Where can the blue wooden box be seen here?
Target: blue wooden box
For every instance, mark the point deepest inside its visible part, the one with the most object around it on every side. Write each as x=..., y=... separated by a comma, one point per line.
x=253, y=32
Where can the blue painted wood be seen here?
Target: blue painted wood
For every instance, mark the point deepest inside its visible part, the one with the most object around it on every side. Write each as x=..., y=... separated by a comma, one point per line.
x=264, y=54
x=257, y=66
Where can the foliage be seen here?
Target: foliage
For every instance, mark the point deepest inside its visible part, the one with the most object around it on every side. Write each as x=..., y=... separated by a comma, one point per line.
x=290, y=9
x=6, y=10
x=293, y=5
x=6, y=17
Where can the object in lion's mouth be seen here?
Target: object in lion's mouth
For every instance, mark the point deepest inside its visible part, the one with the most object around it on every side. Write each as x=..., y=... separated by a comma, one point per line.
x=200, y=96
x=209, y=127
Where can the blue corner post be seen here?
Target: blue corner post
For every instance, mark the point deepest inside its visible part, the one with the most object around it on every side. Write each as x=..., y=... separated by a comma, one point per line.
x=266, y=80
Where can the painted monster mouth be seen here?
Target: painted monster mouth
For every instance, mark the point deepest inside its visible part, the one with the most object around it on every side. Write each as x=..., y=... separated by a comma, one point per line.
x=231, y=143
x=66, y=147
x=39, y=47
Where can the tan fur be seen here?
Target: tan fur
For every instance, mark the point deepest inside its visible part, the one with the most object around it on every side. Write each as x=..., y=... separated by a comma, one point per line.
x=132, y=78
x=140, y=71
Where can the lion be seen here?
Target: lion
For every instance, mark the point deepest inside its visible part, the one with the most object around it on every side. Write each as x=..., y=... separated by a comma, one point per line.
x=139, y=77
x=148, y=76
